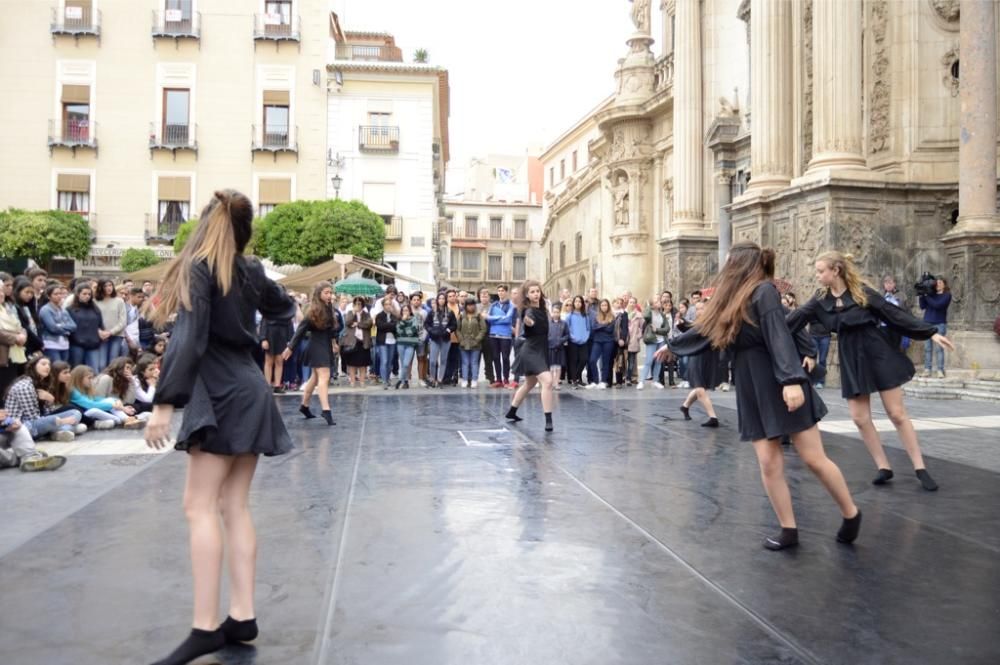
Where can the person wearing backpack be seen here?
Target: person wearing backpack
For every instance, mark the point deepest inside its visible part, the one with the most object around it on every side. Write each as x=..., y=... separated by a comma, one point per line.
x=471, y=331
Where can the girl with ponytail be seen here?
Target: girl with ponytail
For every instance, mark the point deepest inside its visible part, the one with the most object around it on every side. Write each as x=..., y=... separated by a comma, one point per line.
x=230, y=417
x=774, y=396
x=846, y=305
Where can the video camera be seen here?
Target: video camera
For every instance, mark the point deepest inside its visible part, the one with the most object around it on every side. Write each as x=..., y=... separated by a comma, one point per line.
x=927, y=285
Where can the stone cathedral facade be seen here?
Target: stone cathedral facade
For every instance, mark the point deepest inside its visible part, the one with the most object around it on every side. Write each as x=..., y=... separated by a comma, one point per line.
x=868, y=126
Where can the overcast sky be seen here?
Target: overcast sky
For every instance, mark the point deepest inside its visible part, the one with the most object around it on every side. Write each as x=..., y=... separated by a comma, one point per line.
x=521, y=71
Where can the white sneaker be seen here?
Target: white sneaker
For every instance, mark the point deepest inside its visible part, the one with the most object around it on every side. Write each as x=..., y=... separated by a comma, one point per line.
x=475, y=384
x=557, y=386
x=685, y=384
x=926, y=374
x=602, y=386
x=724, y=387
x=658, y=385
x=63, y=435
x=640, y=386
x=591, y=386
x=104, y=424
x=939, y=374
x=144, y=416
x=79, y=428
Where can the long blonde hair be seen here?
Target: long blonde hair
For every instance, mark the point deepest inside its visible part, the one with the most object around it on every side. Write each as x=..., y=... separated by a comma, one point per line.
x=222, y=233
x=845, y=266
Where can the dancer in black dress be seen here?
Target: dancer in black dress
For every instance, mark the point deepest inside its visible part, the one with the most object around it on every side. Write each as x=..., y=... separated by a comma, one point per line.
x=773, y=393
x=869, y=363
x=705, y=371
x=274, y=336
x=323, y=323
x=532, y=360
x=230, y=416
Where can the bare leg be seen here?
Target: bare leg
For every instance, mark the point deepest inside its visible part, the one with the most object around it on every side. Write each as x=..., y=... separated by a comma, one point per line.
x=546, y=381
x=892, y=400
x=705, y=401
x=861, y=414
x=205, y=477
x=307, y=390
x=241, y=538
x=690, y=399
x=772, y=473
x=268, y=368
x=279, y=369
x=523, y=390
x=321, y=375
x=809, y=445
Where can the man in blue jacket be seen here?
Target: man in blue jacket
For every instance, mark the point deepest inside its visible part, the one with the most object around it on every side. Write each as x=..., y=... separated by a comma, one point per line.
x=501, y=320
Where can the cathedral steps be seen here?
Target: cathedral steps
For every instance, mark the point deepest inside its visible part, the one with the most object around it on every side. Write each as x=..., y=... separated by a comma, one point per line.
x=984, y=390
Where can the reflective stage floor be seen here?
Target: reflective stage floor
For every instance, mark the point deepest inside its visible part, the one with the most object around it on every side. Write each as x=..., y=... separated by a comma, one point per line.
x=424, y=530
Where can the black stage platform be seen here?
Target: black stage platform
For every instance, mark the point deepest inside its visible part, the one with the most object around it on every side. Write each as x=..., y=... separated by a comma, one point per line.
x=418, y=532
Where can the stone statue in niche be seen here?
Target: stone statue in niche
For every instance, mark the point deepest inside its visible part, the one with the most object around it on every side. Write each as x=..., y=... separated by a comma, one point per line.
x=620, y=191
x=641, y=15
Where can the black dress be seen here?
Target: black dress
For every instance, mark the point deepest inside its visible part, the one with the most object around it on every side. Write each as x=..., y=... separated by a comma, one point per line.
x=319, y=349
x=209, y=367
x=707, y=370
x=277, y=333
x=868, y=361
x=765, y=358
x=533, y=355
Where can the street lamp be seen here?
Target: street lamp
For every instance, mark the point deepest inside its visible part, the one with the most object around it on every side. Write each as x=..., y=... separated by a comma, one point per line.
x=336, y=181
x=336, y=163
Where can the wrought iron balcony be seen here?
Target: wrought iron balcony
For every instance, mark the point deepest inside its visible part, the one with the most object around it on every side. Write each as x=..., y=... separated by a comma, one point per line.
x=394, y=228
x=275, y=139
x=277, y=28
x=369, y=53
x=376, y=138
x=173, y=137
x=72, y=134
x=76, y=22
x=160, y=233
x=172, y=24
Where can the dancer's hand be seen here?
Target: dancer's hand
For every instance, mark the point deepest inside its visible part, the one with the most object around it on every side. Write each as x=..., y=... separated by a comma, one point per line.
x=943, y=342
x=286, y=354
x=158, y=427
x=265, y=345
x=809, y=364
x=793, y=396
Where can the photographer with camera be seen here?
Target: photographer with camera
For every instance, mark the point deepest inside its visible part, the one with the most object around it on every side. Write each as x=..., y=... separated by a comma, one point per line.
x=935, y=297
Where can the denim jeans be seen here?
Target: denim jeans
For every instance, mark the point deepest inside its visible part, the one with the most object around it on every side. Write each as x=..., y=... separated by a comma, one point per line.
x=823, y=344
x=89, y=357
x=470, y=365
x=386, y=354
x=110, y=349
x=406, y=353
x=600, y=352
x=438, y=359
x=46, y=425
x=652, y=366
x=56, y=355
x=929, y=350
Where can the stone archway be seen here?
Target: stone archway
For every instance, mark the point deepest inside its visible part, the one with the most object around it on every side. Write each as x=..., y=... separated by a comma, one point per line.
x=583, y=286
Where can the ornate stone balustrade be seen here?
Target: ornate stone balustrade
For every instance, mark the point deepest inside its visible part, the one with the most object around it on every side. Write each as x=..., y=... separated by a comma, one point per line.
x=109, y=258
x=663, y=72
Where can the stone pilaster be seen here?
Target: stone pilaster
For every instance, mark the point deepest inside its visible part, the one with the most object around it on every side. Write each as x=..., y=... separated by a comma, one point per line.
x=688, y=165
x=837, y=86
x=771, y=85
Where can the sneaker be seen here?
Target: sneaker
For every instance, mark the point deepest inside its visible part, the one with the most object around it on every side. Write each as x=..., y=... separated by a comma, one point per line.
x=474, y=384
x=926, y=374
x=79, y=428
x=557, y=386
x=685, y=384
x=144, y=416
x=63, y=435
x=657, y=385
x=724, y=387
x=819, y=386
x=939, y=374
x=46, y=463
x=104, y=424
x=133, y=423
x=640, y=385
x=513, y=385
x=602, y=386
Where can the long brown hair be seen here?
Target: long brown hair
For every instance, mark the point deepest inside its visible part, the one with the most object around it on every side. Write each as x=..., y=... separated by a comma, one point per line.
x=523, y=295
x=601, y=317
x=222, y=233
x=747, y=266
x=844, y=264
x=116, y=370
x=320, y=313
x=79, y=373
x=60, y=391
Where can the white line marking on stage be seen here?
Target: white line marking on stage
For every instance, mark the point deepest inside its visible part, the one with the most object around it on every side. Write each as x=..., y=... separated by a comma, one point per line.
x=919, y=424
x=85, y=446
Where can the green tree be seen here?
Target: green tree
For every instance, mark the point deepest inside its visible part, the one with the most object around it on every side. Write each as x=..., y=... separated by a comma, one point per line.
x=310, y=232
x=421, y=56
x=134, y=260
x=43, y=234
x=184, y=232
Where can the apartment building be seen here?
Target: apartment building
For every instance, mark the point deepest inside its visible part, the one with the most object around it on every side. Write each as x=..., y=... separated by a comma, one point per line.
x=132, y=112
x=388, y=142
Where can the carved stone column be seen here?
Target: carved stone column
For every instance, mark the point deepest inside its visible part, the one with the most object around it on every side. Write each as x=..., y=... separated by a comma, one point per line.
x=837, y=86
x=771, y=85
x=977, y=141
x=666, y=12
x=688, y=148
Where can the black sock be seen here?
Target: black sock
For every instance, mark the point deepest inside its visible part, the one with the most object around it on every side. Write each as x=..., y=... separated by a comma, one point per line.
x=198, y=643
x=926, y=480
x=307, y=412
x=849, y=529
x=686, y=411
x=711, y=422
x=787, y=538
x=884, y=476
x=548, y=422
x=328, y=417
x=512, y=414
x=239, y=631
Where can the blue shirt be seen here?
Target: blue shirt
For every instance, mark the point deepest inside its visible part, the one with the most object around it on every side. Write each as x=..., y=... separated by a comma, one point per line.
x=579, y=328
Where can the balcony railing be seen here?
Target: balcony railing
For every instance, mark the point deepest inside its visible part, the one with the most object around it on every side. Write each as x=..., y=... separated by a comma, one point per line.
x=275, y=139
x=160, y=233
x=394, y=228
x=72, y=134
x=173, y=137
x=663, y=72
x=171, y=23
x=461, y=232
x=369, y=53
x=109, y=258
x=76, y=21
x=378, y=138
x=276, y=28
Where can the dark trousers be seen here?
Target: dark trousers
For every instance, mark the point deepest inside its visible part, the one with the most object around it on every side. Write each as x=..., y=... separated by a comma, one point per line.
x=600, y=352
x=487, y=351
x=454, y=363
x=501, y=358
x=576, y=360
